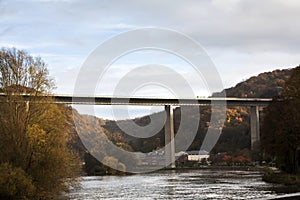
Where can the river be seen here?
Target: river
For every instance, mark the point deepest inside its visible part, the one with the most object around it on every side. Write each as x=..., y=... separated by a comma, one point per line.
x=192, y=184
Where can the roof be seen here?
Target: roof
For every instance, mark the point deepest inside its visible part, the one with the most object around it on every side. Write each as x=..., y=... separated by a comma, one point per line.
x=202, y=152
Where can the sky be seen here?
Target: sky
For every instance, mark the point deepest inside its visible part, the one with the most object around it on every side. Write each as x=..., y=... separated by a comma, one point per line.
x=241, y=37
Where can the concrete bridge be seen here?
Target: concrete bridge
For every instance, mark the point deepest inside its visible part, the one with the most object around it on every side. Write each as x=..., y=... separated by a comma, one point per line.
x=253, y=103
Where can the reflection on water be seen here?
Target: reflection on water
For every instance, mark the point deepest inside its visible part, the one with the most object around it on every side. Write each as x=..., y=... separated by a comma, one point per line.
x=194, y=184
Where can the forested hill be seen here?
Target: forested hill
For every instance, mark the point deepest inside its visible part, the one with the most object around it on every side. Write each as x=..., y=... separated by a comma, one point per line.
x=265, y=85
x=268, y=85
x=235, y=135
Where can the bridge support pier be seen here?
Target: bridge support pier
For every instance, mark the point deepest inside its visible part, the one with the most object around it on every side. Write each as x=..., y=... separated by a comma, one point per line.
x=27, y=106
x=169, y=137
x=254, y=125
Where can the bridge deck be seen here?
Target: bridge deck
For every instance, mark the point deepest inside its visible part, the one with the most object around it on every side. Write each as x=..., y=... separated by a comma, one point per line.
x=97, y=100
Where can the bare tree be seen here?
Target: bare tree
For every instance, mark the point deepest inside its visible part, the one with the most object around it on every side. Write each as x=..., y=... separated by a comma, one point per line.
x=32, y=139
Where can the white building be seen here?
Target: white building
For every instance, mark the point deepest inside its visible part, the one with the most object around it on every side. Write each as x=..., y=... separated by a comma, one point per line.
x=197, y=156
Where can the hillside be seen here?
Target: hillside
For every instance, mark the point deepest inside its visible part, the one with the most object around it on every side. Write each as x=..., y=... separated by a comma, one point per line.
x=265, y=85
x=88, y=132
x=235, y=134
x=236, y=131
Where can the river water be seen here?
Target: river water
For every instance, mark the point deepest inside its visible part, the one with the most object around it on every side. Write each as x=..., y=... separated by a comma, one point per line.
x=193, y=184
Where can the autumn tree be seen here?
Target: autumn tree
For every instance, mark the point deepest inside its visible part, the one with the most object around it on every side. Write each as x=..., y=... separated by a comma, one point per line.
x=32, y=134
x=281, y=128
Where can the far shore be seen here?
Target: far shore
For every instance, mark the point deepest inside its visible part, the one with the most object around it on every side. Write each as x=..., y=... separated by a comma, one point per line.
x=218, y=167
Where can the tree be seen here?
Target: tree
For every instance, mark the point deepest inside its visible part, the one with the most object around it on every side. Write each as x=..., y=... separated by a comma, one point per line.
x=112, y=166
x=281, y=128
x=32, y=135
x=15, y=183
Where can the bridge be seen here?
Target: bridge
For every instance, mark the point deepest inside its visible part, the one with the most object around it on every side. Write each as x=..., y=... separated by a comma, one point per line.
x=253, y=103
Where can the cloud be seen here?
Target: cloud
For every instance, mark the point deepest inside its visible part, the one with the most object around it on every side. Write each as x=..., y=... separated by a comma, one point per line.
x=228, y=5
x=241, y=36
x=246, y=25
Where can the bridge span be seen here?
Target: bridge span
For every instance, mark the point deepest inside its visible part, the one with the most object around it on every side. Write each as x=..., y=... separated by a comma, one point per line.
x=253, y=103
x=97, y=100
x=146, y=101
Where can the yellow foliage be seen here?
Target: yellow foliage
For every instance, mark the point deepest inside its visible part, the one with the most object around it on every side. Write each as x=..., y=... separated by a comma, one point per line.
x=37, y=136
x=15, y=183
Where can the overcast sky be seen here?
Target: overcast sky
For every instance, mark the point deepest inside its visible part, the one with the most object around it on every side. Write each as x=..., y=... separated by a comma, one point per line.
x=242, y=37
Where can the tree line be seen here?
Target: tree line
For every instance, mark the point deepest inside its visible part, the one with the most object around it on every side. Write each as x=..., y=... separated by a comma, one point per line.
x=280, y=135
x=35, y=162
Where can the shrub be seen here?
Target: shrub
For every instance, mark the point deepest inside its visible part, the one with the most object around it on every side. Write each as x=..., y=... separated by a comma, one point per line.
x=15, y=183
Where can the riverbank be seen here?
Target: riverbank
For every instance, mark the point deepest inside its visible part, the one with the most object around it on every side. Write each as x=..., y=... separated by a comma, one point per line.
x=148, y=169
x=216, y=167
x=290, y=182
x=295, y=196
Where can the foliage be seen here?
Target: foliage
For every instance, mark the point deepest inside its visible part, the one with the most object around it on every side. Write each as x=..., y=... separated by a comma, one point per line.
x=290, y=182
x=110, y=161
x=21, y=73
x=239, y=157
x=265, y=85
x=237, y=123
x=32, y=135
x=15, y=183
x=236, y=131
x=93, y=166
x=235, y=134
x=280, y=133
x=91, y=132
